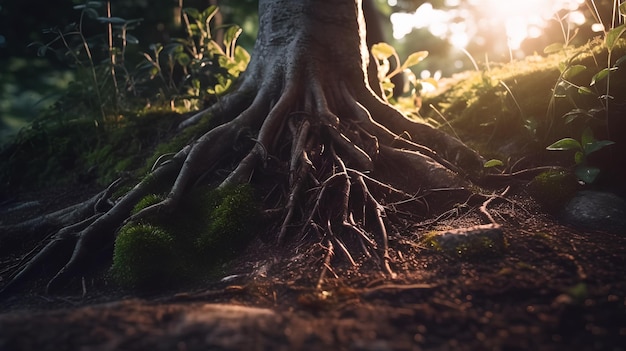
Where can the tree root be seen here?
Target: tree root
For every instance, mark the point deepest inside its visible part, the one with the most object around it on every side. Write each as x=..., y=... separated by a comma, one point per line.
x=346, y=157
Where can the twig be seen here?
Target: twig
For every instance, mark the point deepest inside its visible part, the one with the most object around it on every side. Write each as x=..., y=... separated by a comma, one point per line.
x=483, y=208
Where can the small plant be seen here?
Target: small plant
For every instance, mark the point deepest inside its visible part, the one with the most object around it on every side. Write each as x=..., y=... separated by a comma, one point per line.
x=195, y=68
x=80, y=52
x=566, y=88
x=583, y=148
x=382, y=53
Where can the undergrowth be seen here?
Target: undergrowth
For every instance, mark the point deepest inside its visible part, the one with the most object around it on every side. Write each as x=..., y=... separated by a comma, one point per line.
x=113, y=116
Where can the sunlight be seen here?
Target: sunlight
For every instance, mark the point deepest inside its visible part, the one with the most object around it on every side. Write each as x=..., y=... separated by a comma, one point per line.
x=526, y=19
x=519, y=20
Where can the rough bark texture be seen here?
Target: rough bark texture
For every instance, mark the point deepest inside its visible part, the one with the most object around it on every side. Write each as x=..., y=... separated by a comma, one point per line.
x=341, y=156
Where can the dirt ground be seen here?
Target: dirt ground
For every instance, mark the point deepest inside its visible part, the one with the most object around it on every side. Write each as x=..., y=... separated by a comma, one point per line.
x=552, y=288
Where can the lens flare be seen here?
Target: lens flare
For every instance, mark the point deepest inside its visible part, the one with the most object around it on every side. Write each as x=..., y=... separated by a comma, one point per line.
x=463, y=21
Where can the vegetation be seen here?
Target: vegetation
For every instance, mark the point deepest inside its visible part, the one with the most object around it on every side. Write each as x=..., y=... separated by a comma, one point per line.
x=552, y=189
x=316, y=151
x=209, y=228
x=143, y=257
x=570, y=96
x=478, y=243
x=98, y=118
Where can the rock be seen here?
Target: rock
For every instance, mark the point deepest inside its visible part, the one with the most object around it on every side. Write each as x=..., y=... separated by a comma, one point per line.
x=473, y=242
x=596, y=210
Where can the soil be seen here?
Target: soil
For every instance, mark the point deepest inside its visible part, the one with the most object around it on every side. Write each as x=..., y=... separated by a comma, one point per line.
x=551, y=288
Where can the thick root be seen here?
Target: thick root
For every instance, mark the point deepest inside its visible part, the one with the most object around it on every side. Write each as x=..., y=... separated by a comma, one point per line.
x=343, y=158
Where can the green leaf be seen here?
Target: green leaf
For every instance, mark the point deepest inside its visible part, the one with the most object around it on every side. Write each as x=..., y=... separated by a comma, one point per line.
x=89, y=4
x=382, y=51
x=602, y=74
x=574, y=114
x=612, y=36
x=91, y=13
x=573, y=71
x=94, y=4
x=388, y=86
x=112, y=20
x=622, y=9
x=584, y=91
x=209, y=13
x=621, y=59
x=231, y=35
x=493, y=163
x=596, y=145
x=173, y=48
x=41, y=51
x=182, y=58
x=192, y=12
x=242, y=55
x=579, y=157
x=156, y=47
x=552, y=48
x=587, y=174
x=131, y=39
x=414, y=59
x=565, y=144
x=587, y=137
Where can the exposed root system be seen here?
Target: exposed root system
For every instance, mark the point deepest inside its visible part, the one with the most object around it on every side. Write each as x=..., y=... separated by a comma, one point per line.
x=339, y=161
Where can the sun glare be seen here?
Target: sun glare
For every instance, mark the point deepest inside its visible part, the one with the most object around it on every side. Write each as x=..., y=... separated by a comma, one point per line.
x=519, y=20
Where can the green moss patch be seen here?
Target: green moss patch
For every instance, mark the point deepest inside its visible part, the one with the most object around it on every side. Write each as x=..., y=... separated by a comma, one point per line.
x=232, y=215
x=144, y=257
x=522, y=104
x=477, y=242
x=552, y=189
x=208, y=229
x=147, y=201
x=55, y=150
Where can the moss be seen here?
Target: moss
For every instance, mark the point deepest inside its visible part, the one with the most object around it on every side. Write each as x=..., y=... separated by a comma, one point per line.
x=147, y=201
x=57, y=150
x=46, y=153
x=232, y=215
x=178, y=141
x=511, y=106
x=552, y=189
x=468, y=243
x=208, y=229
x=143, y=257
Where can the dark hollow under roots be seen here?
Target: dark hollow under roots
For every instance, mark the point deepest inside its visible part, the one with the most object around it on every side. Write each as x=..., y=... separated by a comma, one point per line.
x=341, y=160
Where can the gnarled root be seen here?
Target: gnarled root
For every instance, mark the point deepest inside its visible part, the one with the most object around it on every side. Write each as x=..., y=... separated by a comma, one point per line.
x=344, y=160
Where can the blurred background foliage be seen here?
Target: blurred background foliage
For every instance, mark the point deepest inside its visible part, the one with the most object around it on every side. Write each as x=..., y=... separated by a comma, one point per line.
x=31, y=84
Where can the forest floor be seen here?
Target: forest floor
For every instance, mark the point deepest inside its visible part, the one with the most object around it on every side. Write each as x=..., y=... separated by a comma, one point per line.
x=552, y=288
